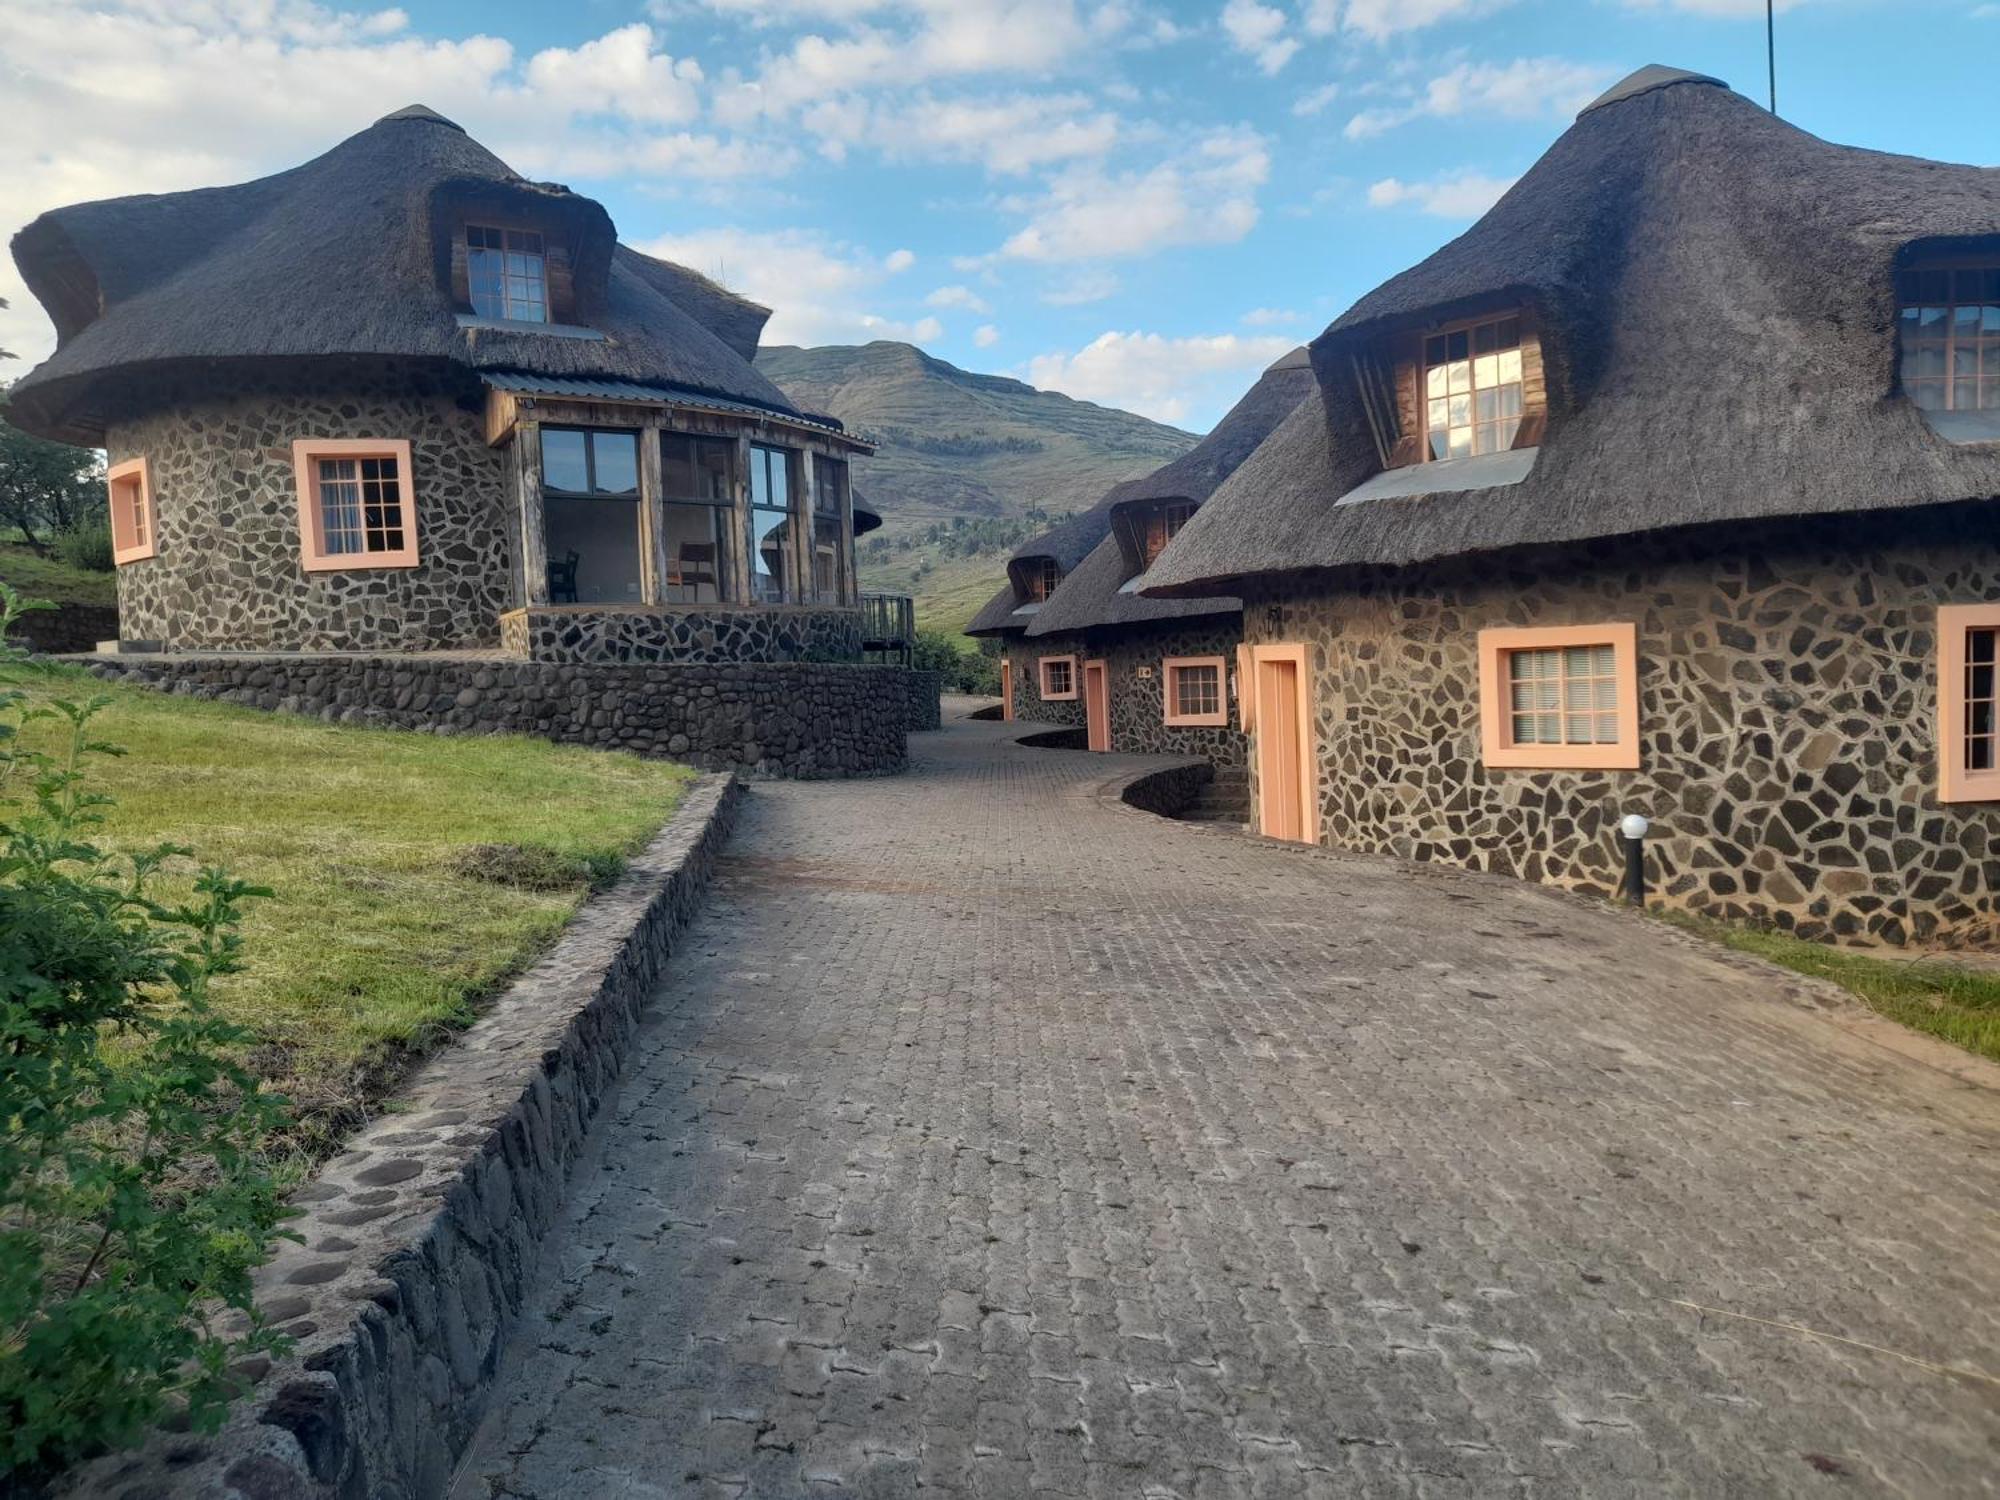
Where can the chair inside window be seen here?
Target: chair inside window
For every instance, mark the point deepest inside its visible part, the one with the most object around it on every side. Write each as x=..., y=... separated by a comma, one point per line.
x=562, y=579
x=695, y=567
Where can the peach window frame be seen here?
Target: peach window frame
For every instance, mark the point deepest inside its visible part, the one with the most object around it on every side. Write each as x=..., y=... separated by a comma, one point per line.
x=1042, y=665
x=1170, y=671
x=133, y=474
x=313, y=556
x=1956, y=783
x=1497, y=747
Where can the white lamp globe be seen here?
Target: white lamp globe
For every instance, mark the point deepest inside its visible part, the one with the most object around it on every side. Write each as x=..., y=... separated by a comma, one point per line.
x=1633, y=826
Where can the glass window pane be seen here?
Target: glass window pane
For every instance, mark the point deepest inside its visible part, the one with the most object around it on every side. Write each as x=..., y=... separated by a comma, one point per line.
x=1486, y=371
x=1483, y=338
x=1434, y=380
x=1461, y=442
x=617, y=455
x=563, y=460
x=1440, y=413
x=1460, y=373
x=1510, y=333
x=696, y=539
x=1460, y=344
x=1485, y=405
x=1510, y=365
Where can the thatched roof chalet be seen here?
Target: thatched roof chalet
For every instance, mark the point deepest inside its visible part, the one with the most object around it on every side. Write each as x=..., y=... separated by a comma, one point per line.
x=358, y=254
x=1063, y=545
x=1103, y=590
x=1715, y=295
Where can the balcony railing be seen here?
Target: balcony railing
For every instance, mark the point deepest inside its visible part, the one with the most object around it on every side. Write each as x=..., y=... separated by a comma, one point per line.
x=888, y=624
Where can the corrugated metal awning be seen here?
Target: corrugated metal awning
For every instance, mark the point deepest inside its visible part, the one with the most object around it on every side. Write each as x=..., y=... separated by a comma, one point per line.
x=516, y=383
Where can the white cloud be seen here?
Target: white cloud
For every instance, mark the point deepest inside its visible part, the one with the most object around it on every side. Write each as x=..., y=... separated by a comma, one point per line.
x=1008, y=134
x=1258, y=31
x=1082, y=289
x=619, y=73
x=899, y=261
x=986, y=335
x=819, y=288
x=1168, y=379
x=1524, y=89
x=1206, y=196
x=959, y=297
x=1454, y=195
x=1381, y=19
x=1311, y=103
x=1270, y=317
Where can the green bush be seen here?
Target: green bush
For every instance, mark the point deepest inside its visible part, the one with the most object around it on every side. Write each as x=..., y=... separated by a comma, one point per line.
x=963, y=672
x=135, y=1196
x=88, y=547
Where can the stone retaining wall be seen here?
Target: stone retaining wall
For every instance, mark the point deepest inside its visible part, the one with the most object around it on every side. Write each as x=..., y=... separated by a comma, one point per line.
x=786, y=719
x=926, y=700
x=1166, y=792
x=681, y=633
x=422, y=1237
x=74, y=627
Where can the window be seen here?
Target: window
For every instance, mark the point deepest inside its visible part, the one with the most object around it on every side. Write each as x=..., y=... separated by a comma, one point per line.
x=354, y=503
x=581, y=461
x=771, y=525
x=1042, y=575
x=697, y=480
x=130, y=487
x=1566, y=697
x=1058, y=675
x=1472, y=389
x=1161, y=527
x=1968, y=703
x=829, y=556
x=1194, y=690
x=1949, y=327
x=507, y=274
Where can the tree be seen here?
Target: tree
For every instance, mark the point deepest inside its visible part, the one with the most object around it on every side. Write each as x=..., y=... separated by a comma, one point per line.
x=46, y=486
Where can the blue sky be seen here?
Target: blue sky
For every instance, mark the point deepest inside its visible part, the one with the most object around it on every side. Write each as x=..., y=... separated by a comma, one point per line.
x=1137, y=203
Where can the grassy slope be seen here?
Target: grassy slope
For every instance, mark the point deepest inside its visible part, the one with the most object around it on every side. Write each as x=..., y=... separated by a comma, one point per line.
x=51, y=579
x=1961, y=1005
x=381, y=936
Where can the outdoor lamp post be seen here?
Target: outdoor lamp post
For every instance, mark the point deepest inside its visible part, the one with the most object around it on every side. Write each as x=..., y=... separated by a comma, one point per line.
x=1633, y=826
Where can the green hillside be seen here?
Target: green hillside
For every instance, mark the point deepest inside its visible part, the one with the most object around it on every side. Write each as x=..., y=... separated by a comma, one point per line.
x=970, y=466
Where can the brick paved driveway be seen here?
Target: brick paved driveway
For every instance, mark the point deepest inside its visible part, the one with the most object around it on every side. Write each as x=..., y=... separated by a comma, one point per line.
x=993, y=1140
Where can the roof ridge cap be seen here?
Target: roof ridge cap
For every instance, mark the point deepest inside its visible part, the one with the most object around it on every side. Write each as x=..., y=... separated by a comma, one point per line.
x=1649, y=79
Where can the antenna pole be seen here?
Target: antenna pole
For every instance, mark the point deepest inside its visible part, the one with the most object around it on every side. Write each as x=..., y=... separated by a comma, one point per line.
x=1771, y=48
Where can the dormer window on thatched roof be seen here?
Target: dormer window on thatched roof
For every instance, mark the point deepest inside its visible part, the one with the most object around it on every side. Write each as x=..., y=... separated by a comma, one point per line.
x=1453, y=388
x=1040, y=577
x=1472, y=389
x=507, y=273
x=1948, y=317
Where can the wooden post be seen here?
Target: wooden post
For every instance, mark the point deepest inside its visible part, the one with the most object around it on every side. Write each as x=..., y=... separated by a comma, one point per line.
x=849, y=561
x=804, y=503
x=739, y=520
x=534, y=526
x=652, y=519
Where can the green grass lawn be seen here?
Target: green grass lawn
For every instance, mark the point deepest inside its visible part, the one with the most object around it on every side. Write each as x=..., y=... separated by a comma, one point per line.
x=412, y=874
x=1933, y=995
x=50, y=578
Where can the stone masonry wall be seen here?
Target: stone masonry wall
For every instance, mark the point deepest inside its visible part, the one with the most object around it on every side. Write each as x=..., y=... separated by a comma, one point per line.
x=701, y=633
x=74, y=627
x=228, y=575
x=926, y=700
x=1028, y=701
x=1788, y=709
x=1138, y=713
x=783, y=719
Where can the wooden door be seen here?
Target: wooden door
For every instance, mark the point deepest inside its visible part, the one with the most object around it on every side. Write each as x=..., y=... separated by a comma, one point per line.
x=1286, y=790
x=1097, y=705
x=1006, y=689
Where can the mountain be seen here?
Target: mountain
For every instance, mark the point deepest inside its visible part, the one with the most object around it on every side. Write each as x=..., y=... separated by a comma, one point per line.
x=970, y=465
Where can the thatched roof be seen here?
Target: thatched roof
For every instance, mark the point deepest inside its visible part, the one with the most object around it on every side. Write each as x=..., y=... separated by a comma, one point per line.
x=1716, y=294
x=1067, y=542
x=349, y=255
x=1094, y=593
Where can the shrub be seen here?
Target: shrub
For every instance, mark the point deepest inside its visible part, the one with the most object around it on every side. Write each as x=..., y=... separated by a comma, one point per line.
x=88, y=546
x=964, y=672
x=135, y=1198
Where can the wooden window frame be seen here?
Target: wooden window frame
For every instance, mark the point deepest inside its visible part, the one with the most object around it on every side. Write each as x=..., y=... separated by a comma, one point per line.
x=313, y=556
x=1170, y=671
x=1469, y=326
x=1497, y=747
x=1983, y=340
x=1957, y=783
x=128, y=489
x=506, y=233
x=1048, y=575
x=1042, y=665
x=1159, y=526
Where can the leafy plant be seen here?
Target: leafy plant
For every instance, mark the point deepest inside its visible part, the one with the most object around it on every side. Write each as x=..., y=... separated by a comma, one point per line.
x=87, y=546
x=44, y=485
x=135, y=1198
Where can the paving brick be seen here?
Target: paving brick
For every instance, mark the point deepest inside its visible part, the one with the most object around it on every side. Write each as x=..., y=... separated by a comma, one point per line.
x=1138, y=1158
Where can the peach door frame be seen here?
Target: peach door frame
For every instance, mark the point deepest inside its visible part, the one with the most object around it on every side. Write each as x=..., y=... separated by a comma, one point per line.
x=1006, y=690
x=1270, y=716
x=1097, y=704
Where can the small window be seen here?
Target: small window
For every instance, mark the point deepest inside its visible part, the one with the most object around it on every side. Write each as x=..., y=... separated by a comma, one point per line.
x=1162, y=526
x=507, y=273
x=1043, y=577
x=1195, y=690
x=698, y=487
x=829, y=504
x=1058, y=678
x=1560, y=698
x=592, y=462
x=1473, y=389
x=1948, y=323
x=1969, y=703
x=772, y=526
x=355, y=509
x=130, y=487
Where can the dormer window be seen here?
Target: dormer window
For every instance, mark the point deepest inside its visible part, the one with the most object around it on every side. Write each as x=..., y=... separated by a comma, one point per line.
x=1042, y=579
x=1473, y=389
x=508, y=273
x=1160, y=527
x=1949, y=330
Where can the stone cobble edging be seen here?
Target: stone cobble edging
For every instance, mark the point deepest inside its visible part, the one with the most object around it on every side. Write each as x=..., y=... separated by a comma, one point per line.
x=421, y=1238
x=783, y=719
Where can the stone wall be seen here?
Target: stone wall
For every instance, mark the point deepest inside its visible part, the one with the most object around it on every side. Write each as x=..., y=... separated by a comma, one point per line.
x=74, y=627
x=1787, y=700
x=691, y=633
x=1138, y=712
x=926, y=700
x=228, y=574
x=1029, y=704
x=785, y=719
x=421, y=1239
